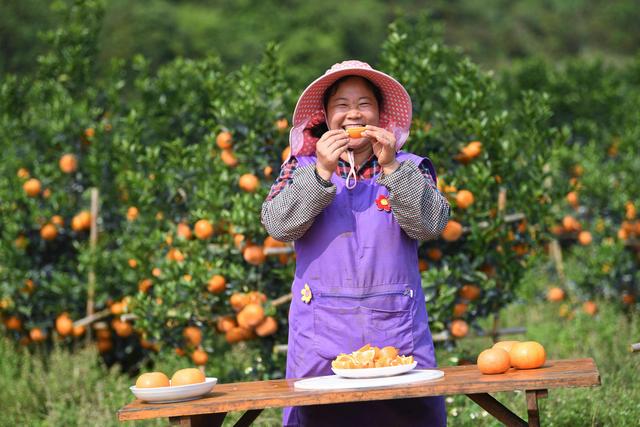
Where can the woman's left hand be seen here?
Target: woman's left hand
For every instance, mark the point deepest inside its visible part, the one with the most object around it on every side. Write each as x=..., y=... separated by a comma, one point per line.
x=384, y=146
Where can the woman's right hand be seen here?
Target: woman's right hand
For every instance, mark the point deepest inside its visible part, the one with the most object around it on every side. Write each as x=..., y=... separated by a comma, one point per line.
x=328, y=150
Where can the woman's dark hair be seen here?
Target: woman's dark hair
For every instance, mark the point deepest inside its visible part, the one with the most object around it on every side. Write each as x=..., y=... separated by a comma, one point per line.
x=318, y=130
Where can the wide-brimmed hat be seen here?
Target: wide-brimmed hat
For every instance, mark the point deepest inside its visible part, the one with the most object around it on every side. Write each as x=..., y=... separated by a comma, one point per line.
x=395, y=114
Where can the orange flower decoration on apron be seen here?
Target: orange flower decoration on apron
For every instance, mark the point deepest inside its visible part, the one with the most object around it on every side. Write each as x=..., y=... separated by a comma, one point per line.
x=382, y=202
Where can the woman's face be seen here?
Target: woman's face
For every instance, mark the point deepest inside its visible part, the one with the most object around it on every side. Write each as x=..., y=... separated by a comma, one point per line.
x=353, y=105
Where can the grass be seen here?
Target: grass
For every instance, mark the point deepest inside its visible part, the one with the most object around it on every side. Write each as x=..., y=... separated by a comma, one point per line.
x=76, y=389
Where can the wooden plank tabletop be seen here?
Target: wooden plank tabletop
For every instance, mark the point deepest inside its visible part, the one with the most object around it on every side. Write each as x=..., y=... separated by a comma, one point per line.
x=457, y=380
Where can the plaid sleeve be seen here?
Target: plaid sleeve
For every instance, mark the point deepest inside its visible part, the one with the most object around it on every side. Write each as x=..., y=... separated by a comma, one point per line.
x=285, y=178
x=299, y=201
x=423, y=217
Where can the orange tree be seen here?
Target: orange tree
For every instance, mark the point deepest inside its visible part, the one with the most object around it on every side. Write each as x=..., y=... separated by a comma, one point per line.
x=596, y=167
x=183, y=158
x=482, y=147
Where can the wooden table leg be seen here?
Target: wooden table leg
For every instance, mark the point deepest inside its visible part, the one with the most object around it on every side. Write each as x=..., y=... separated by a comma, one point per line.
x=532, y=406
x=248, y=417
x=497, y=409
x=203, y=420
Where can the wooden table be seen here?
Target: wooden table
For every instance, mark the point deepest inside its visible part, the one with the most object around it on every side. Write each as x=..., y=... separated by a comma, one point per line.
x=253, y=397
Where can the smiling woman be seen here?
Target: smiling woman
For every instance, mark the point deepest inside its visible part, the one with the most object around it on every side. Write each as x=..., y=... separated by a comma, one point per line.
x=345, y=192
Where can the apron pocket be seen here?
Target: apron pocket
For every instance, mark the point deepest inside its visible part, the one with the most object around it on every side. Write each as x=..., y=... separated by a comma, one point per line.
x=391, y=327
x=338, y=329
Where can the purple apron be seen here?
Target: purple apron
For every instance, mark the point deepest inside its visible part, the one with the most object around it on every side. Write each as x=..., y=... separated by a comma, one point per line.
x=362, y=270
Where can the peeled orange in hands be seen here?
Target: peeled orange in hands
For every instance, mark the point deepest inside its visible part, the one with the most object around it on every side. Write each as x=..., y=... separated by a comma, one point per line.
x=152, y=379
x=355, y=132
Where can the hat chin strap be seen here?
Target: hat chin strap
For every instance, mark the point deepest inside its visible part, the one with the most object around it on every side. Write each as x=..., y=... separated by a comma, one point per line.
x=352, y=171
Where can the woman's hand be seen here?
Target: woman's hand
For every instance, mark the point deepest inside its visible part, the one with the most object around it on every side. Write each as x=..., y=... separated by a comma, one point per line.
x=328, y=150
x=384, y=147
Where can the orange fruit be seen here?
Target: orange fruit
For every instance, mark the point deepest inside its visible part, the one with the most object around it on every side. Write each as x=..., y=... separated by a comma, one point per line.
x=256, y=297
x=286, y=153
x=238, y=301
x=68, y=163
x=89, y=132
x=254, y=255
x=460, y=309
x=179, y=352
x=590, y=307
x=144, y=285
x=572, y=198
x=628, y=299
x=585, y=238
x=203, y=229
x=152, y=379
x=29, y=286
x=464, y=199
x=228, y=158
x=175, y=255
x=132, y=213
x=555, y=294
x=469, y=292
x=187, y=376
x=251, y=315
x=459, y=328
x=132, y=263
x=570, y=223
x=36, y=334
x=225, y=323
x=48, y=232
x=282, y=125
x=64, y=325
x=249, y=183
x=267, y=327
x=237, y=334
x=578, y=170
x=199, y=357
x=355, y=132
x=13, y=323
x=494, y=361
x=423, y=265
x=192, y=335
x=23, y=173
x=224, y=140
x=123, y=329
x=81, y=221
x=32, y=187
x=267, y=171
x=472, y=149
x=216, y=284
x=117, y=308
x=184, y=231
x=104, y=345
x=434, y=254
x=238, y=240
x=388, y=352
x=630, y=210
x=270, y=242
x=452, y=231
x=156, y=272
x=78, y=331
x=505, y=345
x=527, y=355
x=57, y=220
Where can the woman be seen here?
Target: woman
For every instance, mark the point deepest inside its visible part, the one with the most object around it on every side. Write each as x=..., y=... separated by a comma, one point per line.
x=356, y=208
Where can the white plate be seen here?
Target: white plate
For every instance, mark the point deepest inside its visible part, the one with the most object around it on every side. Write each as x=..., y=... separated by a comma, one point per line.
x=387, y=371
x=334, y=382
x=178, y=393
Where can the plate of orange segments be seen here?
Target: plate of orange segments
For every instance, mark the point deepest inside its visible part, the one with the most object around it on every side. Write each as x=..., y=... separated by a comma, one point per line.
x=372, y=362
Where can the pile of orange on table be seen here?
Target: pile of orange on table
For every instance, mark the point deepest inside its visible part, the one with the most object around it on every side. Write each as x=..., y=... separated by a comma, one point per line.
x=507, y=354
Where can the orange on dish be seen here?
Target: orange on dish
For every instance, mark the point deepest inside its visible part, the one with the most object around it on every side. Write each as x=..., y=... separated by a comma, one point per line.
x=371, y=357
